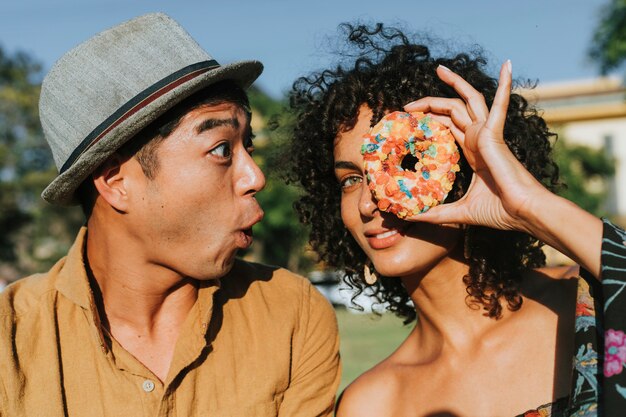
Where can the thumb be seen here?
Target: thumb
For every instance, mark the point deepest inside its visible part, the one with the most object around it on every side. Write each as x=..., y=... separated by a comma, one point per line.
x=441, y=214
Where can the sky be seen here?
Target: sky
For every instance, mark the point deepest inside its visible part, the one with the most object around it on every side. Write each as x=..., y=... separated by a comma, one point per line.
x=547, y=40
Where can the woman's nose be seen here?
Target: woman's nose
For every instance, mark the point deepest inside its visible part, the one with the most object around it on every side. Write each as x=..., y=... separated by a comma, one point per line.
x=367, y=203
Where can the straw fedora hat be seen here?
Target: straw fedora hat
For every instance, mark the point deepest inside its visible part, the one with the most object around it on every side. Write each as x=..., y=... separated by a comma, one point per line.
x=104, y=91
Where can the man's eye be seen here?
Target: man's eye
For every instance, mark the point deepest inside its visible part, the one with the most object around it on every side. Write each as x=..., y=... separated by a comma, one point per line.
x=350, y=181
x=222, y=150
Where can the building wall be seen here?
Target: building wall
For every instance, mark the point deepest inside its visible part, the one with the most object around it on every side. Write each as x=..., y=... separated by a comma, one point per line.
x=593, y=113
x=609, y=134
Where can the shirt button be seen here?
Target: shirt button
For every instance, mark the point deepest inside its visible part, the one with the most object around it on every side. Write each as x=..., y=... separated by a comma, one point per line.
x=148, y=386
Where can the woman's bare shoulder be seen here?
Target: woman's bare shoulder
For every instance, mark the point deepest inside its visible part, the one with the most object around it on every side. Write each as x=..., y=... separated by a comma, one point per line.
x=553, y=289
x=371, y=394
x=540, y=282
x=559, y=272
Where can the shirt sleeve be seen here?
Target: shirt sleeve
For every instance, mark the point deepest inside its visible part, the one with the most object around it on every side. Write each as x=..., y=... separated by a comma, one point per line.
x=3, y=397
x=316, y=368
x=613, y=276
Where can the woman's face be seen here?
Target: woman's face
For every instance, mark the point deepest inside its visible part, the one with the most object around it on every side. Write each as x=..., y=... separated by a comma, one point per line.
x=396, y=247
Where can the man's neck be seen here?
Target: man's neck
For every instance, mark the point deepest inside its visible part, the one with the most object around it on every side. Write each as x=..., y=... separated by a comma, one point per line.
x=141, y=304
x=134, y=289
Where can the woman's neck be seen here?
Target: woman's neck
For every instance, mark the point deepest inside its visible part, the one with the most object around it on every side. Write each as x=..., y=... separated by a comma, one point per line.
x=444, y=319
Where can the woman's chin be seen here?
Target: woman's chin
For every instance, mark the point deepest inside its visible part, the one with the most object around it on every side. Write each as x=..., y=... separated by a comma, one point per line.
x=389, y=268
x=406, y=264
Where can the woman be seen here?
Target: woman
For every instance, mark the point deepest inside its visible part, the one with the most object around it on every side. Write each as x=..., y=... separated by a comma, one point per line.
x=495, y=335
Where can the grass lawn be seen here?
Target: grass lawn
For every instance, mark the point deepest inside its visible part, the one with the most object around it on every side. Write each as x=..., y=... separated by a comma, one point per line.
x=366, y=339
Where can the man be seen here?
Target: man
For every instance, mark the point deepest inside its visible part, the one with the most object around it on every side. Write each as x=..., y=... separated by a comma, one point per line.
x=150, y=314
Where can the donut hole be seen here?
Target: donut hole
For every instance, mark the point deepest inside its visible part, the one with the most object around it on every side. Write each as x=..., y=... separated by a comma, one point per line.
x=408, y=162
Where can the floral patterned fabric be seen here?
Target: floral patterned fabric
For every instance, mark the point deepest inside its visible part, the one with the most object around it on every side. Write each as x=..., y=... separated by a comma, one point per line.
x=598, y=381
x=583, y=401
x=557, y=408
x=613, y=397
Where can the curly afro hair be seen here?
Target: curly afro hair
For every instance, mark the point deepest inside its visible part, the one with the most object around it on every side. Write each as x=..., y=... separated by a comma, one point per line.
x=388, y=70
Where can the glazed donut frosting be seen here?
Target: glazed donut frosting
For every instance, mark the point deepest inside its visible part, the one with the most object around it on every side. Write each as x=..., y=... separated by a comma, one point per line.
x=411, y=162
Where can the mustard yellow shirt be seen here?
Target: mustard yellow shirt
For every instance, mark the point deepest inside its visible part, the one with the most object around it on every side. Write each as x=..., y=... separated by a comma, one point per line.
x=260, y=342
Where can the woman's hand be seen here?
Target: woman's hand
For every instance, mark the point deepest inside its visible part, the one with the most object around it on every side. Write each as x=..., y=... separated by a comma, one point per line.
x=503, y=194
x=501, y=189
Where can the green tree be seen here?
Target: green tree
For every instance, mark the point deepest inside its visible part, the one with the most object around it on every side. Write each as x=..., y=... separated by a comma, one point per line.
x=609, y=41
x=18, y=120
x=280, y=239
x=584, y=171
x=34, y=234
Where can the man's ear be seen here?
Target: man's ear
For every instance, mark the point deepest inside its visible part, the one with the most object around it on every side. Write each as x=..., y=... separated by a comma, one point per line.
x=110, y=181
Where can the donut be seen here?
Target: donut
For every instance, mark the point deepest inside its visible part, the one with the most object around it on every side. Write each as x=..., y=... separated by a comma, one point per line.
x=410, y=162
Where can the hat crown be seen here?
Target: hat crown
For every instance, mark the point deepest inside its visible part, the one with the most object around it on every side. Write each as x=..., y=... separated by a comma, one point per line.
x=93, y=80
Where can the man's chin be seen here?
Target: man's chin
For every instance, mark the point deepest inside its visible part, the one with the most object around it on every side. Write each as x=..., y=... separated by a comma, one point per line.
x=219, y=270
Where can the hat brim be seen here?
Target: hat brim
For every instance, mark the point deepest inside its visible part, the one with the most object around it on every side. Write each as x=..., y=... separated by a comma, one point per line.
x=61, y=191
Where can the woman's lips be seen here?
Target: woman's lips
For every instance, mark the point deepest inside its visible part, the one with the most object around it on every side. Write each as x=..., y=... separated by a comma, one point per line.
x=382, y=239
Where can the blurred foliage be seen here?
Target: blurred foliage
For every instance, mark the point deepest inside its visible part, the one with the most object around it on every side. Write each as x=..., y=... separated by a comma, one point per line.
x=608, y=46
x=34, y=234
x=280, y=239
x=584, y=171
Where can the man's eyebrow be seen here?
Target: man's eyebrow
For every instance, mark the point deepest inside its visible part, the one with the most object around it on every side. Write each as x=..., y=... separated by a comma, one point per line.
x=346, y=165
x=213, y=123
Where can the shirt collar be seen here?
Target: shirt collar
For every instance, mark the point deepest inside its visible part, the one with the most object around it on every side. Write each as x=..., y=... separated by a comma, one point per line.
x=73, y=283
x=72, y=280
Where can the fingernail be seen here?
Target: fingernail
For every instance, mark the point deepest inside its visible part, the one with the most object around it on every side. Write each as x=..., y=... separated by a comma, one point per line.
x=408, y=104
x=444, y=67
x=509, y=66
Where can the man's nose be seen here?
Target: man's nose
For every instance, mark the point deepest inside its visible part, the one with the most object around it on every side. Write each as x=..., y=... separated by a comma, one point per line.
x=252, y=179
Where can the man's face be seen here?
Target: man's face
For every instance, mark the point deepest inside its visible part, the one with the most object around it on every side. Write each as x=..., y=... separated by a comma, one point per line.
x=199, y=208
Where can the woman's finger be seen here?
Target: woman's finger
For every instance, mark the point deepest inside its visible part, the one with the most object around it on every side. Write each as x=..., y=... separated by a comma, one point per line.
x=444, y=213
x=443, y=105
x=454, y=108
x=497, y=115
x=477, y=108
x=459, y=135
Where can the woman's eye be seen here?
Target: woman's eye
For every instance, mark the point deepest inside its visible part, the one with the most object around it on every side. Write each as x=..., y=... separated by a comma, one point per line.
x=222, y=150
x=350, y=181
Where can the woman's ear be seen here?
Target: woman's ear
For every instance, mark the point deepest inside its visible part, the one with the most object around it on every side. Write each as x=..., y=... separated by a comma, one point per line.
x=110, y=181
